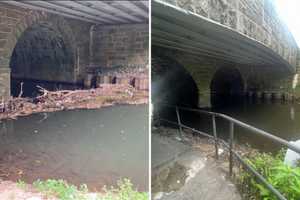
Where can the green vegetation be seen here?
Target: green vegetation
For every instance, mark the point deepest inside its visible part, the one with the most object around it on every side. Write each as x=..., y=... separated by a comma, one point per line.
x=21, y=184
x=124, y=191
x=63, y=191
x=284, y=178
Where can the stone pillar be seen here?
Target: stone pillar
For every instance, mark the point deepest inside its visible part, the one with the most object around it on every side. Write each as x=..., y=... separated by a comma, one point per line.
x=123, y=80
x=4, y=83
x=88, y=81
x=142, y=83
x=268, y=96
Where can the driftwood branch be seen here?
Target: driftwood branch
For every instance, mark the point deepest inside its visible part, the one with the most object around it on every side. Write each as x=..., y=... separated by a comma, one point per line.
x=21, y=91
x=49, y=101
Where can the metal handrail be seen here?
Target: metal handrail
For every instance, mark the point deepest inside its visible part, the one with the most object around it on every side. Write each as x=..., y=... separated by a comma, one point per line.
x=232, y=153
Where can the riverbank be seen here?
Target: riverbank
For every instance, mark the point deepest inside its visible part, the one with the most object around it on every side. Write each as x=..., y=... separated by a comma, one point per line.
x=50, y=101
x=184, y=167
x=270, y=165
x=60, y=190
x=13, y=191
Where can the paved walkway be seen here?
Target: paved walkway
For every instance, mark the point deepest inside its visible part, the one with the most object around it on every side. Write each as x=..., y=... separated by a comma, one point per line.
x=181, y=173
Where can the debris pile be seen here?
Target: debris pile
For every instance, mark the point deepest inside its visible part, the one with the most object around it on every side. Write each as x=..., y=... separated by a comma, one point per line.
x=49, y=101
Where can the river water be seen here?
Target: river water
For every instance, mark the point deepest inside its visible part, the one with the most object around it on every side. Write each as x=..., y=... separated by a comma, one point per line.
x=95, y=147
x=280, y=119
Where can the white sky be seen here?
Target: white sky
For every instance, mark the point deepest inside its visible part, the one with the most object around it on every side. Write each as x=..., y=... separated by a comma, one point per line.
x=289, y=11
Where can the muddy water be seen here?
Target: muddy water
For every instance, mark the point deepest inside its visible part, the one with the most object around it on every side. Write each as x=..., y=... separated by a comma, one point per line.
x=96, y=147
x=280, y=119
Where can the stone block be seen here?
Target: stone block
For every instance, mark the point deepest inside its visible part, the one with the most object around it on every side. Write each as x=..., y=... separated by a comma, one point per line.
x=88, y=81
x=142, y=83
x=3, y=35
x=13, y=14
x=4, y=83
x=124, y=80
x=2, y=43
x=4, y=28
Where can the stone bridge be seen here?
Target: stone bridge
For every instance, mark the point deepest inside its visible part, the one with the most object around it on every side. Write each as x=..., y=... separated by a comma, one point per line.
x=223, y=48
x=62, y=41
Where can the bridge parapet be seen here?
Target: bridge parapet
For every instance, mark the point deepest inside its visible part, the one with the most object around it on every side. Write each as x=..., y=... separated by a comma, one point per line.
x=256, y=19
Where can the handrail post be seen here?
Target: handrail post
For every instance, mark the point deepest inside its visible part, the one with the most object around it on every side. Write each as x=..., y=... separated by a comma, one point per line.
x=231, y=135
x=215, y=136
x=179, y=121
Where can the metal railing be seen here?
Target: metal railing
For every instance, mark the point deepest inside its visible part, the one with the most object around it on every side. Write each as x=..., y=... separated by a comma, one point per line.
x=232, y=123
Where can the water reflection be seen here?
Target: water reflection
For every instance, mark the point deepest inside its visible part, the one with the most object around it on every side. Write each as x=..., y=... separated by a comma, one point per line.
x=96, y=147
x=280, y=119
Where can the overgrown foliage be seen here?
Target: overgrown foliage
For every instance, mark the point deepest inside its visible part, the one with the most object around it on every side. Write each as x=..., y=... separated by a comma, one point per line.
x=63, y=191
x=124, y=191
x=283, y=177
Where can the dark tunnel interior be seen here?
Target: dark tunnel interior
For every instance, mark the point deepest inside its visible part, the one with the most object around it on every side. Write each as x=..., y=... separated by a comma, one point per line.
x=171, y=83
x=40, y=57
x=227, y=87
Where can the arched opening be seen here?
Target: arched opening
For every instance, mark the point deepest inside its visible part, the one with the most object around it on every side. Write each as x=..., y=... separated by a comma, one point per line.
x=172, y=83
x=227, y=87
x=42, y=57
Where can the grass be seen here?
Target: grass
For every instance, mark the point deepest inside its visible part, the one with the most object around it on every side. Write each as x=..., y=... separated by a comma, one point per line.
x=284, y=178
x=64, y=191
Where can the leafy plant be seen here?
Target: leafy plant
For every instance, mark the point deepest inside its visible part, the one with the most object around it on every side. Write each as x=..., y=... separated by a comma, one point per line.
x=64, y=191
x=124, y=191
x=283, y=177
x=21, y=184
x=61, y=189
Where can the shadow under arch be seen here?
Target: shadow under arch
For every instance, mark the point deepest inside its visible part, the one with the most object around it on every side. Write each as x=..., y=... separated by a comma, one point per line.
x=42, y=55
x=171, y=83
x=227, y=87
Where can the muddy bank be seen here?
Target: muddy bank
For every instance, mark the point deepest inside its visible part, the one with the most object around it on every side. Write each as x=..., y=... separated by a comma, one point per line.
x=10, y=190
x=49, y=101
x=22, y=191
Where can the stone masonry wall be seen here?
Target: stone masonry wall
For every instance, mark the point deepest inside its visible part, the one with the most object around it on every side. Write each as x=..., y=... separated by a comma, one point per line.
x=256, y=19
x=15, y=20
x=120, y=46
x=90, y=45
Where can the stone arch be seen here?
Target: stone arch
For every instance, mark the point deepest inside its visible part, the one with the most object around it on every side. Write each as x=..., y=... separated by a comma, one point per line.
x=227, y=87
x=172, y=83
x=37, y=17
x=29, y=19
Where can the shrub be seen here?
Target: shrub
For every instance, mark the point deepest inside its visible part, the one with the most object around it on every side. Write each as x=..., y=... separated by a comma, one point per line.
x=124, y=191
x=61, y=189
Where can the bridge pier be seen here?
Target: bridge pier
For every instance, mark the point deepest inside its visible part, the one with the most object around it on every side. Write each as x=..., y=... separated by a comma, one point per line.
x=267, y=96
x=4, y=83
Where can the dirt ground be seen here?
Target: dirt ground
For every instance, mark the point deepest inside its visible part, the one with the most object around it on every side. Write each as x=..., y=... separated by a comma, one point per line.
x=193, y=173
x=11, y=191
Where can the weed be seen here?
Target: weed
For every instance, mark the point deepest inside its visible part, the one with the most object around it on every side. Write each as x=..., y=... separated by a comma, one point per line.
x=124, y=191
x=21, y=184
x=283, y=177
x=62, y=190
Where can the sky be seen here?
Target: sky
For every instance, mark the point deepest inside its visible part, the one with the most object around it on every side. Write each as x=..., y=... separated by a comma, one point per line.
x=289, y=12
